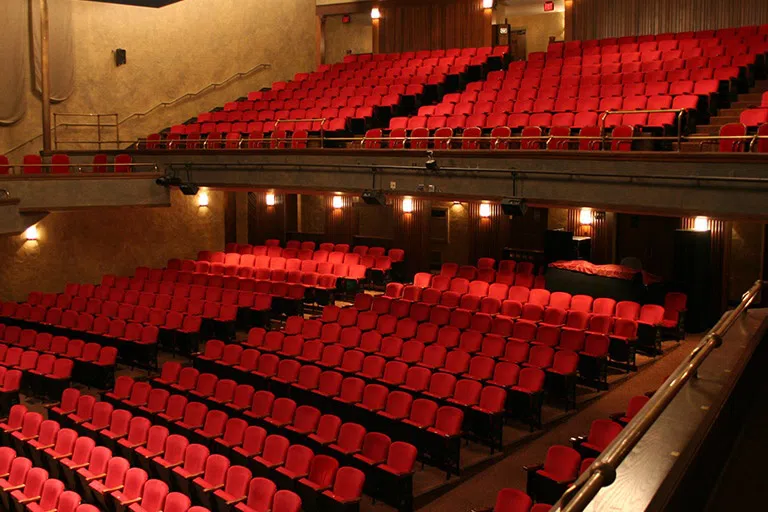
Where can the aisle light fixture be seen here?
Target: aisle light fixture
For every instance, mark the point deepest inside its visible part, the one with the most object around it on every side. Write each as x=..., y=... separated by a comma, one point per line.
x=701, y=223
x=375, y=13
x=586, y=216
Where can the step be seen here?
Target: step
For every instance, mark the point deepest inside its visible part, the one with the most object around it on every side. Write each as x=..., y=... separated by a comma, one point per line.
x=707, y=129
x=754, y=97
x=730, y=112
x=760, y=85
x=721, y=120
x=744, y=104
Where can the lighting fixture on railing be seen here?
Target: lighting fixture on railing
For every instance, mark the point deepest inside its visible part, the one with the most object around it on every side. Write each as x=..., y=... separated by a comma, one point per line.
x=586, y=216
x=270, y=199
x=701, y=223
x=485, y=210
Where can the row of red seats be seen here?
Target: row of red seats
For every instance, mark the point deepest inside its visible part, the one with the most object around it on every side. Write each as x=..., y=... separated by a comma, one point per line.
x=392, y=361
x=326, y=253
x=92, y=470
x=371, y=452
x=60, y=164
x=363, y=250
x=59, y=359
x=201, y=471
x=351, y=398
x=28, y=487
x=623, y=331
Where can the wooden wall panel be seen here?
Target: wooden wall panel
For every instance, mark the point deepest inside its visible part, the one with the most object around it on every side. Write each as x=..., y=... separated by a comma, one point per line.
x=411, y=233
x=430, y=25
x=265, y=222
x=720, y=256
x=340, y=223
x=594, y=19
x=487, y=236
x=601, y=231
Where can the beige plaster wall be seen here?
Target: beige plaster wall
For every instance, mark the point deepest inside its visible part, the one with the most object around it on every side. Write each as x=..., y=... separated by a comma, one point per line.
x=83, y=245
x=539, y=27
x=172, y=51
x=357, y=35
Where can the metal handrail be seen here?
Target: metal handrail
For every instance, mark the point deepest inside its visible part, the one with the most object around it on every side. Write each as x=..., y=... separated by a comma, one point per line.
x=602, y=472
x=678, y=111
x=236, y=76
x=163, y=104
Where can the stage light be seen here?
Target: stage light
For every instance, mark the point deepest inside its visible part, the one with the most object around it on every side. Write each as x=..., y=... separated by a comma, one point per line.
x=337, y=202
x=485, y=210
x=585, y=216
x=701, y=223
x=375, y=13
x=31, y=233
x=270, y=199
x=407, y=205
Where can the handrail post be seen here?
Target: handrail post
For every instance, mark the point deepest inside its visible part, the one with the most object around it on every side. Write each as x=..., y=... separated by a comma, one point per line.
x=117, y=130
x=45, y=78
x=98, y=129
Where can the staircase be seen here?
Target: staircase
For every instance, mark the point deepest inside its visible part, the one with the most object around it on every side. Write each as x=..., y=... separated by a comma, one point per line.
x=724, y=116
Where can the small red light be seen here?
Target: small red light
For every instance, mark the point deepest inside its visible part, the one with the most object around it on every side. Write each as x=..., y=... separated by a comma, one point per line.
x=346, y=18
x=549, y=6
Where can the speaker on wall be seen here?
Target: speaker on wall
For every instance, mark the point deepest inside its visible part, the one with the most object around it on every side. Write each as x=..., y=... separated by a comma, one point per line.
x=693, y=268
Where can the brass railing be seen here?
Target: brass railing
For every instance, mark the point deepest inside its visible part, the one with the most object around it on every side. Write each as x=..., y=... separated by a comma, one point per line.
x=205, y=89
x=602, y=472
x=99, y=125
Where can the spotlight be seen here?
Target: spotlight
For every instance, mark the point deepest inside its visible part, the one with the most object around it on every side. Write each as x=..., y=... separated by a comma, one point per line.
x=374, y=197
x=514, y=206
x=431, y=164
x=168, y=181
x=189, y=189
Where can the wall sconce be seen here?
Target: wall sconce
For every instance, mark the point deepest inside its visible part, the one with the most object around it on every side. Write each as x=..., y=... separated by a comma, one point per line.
x=407, y=205
x=701, y=223
x=337, y=202
x=270, y=199
x=31, y=233
x=487, y=4
x=485, y=210
x=585, y=216
x=375, y=13
x=202, y=199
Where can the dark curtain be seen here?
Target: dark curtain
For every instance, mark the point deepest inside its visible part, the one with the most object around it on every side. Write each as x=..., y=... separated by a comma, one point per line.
x=594, y=19
x=431, y=25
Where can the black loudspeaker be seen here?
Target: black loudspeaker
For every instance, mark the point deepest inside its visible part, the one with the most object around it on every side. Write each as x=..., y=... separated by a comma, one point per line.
x=693, y=269
x=121, y=57
x=514, y=206
x=558, y=245
x=189, y=189
x=374, y=197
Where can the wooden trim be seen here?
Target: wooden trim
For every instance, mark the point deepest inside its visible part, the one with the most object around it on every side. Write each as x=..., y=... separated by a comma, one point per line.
x=376, y=35
x=345, y=8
